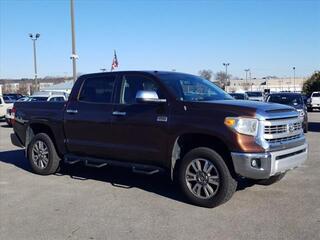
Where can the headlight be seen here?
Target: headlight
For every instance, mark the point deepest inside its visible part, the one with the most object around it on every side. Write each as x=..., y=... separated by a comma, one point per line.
x=247, y=126
x=301, y=112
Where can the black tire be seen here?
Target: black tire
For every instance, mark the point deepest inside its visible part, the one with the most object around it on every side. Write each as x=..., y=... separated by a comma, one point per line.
x=310, y=110
x=53, y=158
x=271, y=180
x=227, y=184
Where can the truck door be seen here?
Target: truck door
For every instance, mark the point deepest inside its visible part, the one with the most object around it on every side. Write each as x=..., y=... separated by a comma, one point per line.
x=88, y=118
x=139, y=129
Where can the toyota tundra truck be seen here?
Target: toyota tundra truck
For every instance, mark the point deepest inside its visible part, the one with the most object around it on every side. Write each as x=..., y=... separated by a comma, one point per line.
x=154, y=121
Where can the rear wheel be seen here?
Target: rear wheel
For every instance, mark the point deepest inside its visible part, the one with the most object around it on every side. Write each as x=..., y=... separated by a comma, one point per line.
x=42, y=155
x=205, y=178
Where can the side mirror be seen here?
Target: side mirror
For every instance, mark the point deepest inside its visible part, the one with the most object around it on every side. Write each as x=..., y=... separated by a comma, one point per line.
x=148, y=96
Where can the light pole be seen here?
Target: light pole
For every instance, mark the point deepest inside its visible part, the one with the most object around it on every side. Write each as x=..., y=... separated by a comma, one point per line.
x=34, y=38
x=294, y=79
x=74, y=56
x=226, y=66
x=246, y=70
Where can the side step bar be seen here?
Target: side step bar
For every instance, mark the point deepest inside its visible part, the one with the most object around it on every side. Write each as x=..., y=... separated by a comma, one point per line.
x=99, y=163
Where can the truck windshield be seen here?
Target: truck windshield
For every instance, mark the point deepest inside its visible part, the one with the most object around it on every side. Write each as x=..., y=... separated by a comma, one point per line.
x=192, y=88
x=285, y=99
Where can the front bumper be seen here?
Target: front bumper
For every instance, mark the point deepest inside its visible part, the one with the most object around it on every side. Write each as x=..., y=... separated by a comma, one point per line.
x=270, y=163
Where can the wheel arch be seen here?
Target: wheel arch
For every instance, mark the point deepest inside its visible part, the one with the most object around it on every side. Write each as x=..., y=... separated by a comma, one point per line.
x=187, y=141
x=38, y=127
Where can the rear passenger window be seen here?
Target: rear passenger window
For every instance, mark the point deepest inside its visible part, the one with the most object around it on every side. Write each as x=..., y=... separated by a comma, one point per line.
x=97, y=90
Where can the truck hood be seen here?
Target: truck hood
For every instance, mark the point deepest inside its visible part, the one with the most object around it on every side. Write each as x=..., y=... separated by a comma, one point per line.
x=260, y=110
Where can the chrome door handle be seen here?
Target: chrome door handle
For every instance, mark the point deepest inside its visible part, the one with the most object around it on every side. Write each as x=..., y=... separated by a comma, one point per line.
x=74, y=111
x=116, y=113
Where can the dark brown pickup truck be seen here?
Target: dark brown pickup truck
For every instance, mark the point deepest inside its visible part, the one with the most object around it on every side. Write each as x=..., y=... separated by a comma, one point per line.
x=153, y=121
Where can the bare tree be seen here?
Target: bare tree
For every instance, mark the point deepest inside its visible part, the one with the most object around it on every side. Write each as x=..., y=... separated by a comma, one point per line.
x=206, y=74
x=222, y=78
x=7, y=88
x=23, y=89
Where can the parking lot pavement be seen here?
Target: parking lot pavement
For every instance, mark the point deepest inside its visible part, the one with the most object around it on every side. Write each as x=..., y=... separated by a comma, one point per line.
x=113, y=203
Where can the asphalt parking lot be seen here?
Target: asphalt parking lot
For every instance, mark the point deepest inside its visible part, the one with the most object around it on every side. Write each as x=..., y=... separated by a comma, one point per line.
x=113, y=203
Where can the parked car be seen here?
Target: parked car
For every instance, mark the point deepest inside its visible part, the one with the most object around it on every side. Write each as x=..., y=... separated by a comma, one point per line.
x=292, y=99
x=154, y=121
x=47, y=98
x=13, y=96
x=314, y=101
x=255, y=96
x=10, y=114
x=239, y=96
x=5, y=102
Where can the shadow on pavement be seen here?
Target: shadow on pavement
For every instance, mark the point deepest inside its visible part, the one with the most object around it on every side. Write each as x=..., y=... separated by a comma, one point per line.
x=314, y=126
x=118, y=177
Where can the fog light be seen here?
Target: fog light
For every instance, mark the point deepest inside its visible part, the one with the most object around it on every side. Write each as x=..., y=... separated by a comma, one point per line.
x=254, y=163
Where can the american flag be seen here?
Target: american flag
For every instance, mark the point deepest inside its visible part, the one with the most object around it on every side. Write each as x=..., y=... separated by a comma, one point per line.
x=115, y=63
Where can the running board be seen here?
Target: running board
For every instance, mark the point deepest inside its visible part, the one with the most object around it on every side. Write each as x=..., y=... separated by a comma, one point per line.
x=99, y=163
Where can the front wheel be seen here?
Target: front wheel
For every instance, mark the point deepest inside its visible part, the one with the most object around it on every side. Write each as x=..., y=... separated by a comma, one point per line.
x=205, y=178
x=42, y=155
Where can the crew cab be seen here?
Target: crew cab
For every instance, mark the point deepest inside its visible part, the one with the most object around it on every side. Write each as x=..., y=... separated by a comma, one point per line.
x=154, y=121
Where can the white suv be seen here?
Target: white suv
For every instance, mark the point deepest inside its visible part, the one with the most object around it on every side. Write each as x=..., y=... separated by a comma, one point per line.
x=314, y=101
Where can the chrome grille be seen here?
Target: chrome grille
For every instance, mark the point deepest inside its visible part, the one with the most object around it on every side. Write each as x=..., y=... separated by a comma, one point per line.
x=275, y=129
x=282, y=130
x=283, y=139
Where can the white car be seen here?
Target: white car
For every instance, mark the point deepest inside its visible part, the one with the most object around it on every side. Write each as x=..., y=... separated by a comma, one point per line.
x=255, y=96
x=5, y=103
x=314, y=101
x=9, y=114
x=47, y=97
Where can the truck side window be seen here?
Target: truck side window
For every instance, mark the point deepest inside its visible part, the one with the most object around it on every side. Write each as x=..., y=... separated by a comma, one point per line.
x=131, y=84
x=97, y=89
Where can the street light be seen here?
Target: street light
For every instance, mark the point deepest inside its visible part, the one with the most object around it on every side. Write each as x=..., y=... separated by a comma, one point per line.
x=34, y=38
x=294, y=79
x=226, y=66
x=247, y=70
x=74, y=56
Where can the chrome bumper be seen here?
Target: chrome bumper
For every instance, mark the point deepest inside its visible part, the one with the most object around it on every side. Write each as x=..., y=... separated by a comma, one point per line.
x=265, y=165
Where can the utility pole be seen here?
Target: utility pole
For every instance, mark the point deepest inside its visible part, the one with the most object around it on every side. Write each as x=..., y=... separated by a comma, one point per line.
x=226, y=65
x=246, y=70
x=74, y=56
x=294, y=79
x=34, y=38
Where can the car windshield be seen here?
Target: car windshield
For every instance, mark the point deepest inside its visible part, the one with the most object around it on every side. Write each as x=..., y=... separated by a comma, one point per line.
x=254, y=94
x=8, y=99
x=285, y=99
x=316, y=95
x=192, y=88
x=237, y=95
x=38, y=99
